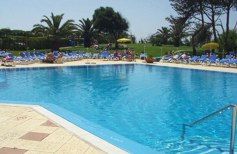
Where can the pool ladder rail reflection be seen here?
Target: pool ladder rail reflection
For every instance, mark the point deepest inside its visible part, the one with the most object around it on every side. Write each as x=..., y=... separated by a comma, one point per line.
x=233, y=124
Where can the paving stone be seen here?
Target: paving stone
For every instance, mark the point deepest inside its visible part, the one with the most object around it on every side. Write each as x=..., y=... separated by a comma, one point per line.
x=49, y=123
x=34, y=136
x=6, y=150
x=22, y=144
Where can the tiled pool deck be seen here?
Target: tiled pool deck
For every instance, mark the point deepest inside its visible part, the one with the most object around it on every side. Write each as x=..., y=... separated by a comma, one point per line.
x=24, y=130
x=34, y=130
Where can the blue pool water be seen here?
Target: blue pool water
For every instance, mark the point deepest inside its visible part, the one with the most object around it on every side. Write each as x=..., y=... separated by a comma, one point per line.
x=141, y=105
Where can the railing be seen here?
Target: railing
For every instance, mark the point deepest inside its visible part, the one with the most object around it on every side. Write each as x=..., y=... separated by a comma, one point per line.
x=233, y=125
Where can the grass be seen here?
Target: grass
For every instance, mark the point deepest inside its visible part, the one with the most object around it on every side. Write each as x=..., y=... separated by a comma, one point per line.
x=157, y=50
x=17, y=53
x=138, y=48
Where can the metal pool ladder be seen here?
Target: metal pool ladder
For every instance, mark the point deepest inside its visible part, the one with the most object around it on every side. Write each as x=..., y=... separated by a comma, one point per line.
x=233, y=125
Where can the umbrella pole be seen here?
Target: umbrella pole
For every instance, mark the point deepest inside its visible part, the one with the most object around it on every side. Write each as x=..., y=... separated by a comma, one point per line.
x=87, y=62
x=161, y=51
x=223, y=53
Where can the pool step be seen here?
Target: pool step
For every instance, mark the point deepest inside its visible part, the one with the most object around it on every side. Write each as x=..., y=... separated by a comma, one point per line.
x=197, y=145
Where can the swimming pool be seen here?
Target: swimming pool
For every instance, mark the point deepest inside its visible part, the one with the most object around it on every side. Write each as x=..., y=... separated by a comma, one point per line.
x=144, y=106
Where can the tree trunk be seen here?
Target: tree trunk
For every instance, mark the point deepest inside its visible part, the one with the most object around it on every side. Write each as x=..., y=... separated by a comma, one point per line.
x=116, y=36
x=87, y=42
x=227, y=26
x=194, y=35
x=193, y=46
x=55, y=44
x=176, y=41
x=201, y=12
x=116, y=45
x=213, y=23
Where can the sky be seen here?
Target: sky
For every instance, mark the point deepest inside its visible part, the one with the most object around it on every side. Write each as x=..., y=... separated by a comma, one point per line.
x=144, y=16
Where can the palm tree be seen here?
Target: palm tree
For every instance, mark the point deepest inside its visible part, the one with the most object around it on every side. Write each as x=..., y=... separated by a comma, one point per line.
x=54, y=28
x=165, y=34
x=178, y=27
x=87, y=31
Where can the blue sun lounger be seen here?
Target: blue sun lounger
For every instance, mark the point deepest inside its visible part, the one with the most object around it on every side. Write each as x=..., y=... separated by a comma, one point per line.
x=143, y=56
x=232, y=62
x=226, y=59
x=105, y=55
x=202, y=59
x=212, y=59
x=194, y=59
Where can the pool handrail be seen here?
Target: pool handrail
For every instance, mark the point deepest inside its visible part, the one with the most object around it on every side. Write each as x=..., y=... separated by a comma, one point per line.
x=233, y=125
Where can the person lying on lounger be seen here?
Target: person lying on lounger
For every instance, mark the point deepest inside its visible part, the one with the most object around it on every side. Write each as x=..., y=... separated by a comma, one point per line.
x=8, y=58
x=59, y=59
x=7, y=61
x=49, y=58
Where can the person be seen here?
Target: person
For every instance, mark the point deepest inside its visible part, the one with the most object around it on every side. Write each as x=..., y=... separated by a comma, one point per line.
x=109, y=46
x=60, y=55
x=133, y=55
x=50, y=58
x=95, y=46
x=185, y=57
x=7, y=61
x=7, y=58
x=59, y=59
x=117, y=55
x=127, y=51
x=170, y=53
x=208, y=53
x=128, y=54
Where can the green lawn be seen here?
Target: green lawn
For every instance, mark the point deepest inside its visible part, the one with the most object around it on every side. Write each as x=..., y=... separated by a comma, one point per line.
x=138, y=48
x=17, y=53
x=156, y=50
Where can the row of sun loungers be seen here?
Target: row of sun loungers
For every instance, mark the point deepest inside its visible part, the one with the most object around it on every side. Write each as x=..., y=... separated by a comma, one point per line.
x=56, y=57
x=229, y=60
x=37, y=57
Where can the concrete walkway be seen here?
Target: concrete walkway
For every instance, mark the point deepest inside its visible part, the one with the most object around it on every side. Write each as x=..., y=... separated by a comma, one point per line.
x=138, y=61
